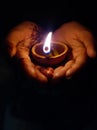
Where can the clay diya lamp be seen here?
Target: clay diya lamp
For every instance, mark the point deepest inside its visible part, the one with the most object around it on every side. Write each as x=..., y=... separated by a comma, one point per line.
x=49, y=53
x=56, y=55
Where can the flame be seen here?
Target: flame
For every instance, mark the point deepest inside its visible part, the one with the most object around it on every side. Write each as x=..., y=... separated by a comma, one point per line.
x=47, y=44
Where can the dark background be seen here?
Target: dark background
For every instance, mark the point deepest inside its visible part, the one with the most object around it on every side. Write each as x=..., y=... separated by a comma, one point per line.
x=47, y=13
x=50, y=15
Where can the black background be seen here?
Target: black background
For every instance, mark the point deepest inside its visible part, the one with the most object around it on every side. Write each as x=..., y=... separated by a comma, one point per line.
x=50, y=15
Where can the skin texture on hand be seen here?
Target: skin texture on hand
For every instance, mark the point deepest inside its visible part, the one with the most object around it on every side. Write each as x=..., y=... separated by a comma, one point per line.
x=19, y=42
x=78, y=38
x=82, y=44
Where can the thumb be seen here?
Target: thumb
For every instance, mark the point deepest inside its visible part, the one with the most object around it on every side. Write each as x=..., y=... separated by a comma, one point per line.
x=89, y=43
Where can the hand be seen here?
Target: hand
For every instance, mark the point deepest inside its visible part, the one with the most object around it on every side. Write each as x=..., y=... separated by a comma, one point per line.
x=82, y=44
x=24, y=36
x=19, y=42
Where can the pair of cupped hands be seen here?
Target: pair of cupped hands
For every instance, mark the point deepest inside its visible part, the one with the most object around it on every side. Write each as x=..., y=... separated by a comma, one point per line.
x=77, y=37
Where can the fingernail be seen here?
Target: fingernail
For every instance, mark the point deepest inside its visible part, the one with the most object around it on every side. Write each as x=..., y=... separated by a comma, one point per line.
x=68, y=76
x=67, y=73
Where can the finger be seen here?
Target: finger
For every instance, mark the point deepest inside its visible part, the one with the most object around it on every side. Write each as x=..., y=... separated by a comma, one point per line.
x=48, y=72
x=74, y=66
x=11, y=43
x=28, y=66
x=58, y=72
x=61, y=71
x=70, y=68
x=79, y=58
x=31, y=71
x=40, y=76
x=89, y=43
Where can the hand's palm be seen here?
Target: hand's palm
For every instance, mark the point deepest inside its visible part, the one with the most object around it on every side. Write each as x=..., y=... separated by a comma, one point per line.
x=80, y=41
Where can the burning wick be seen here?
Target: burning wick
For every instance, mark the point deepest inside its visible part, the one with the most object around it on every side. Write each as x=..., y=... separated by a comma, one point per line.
x=47, y=44
x=50, y=52
x=46, y=48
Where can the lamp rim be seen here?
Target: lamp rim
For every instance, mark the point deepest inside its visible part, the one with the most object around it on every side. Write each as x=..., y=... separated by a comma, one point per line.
x=46, y=55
